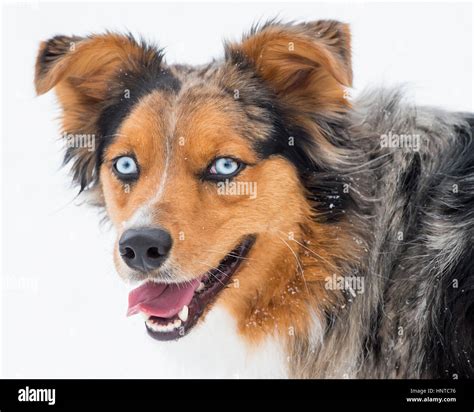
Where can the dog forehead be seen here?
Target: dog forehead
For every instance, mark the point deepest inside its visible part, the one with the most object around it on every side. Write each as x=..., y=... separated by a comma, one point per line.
x=198, y=113
x=201, y=119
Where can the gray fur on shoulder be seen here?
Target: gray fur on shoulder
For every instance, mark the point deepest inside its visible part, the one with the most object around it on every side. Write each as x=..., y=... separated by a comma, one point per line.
x=415, y=317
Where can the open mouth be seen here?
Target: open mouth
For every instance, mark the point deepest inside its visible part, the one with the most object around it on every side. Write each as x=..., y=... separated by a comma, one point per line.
x=171, y=310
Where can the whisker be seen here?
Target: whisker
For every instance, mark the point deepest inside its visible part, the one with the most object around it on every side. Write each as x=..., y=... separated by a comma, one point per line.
x=334, y=267
x=229, y=254
x=297, y=262
x=213, y=268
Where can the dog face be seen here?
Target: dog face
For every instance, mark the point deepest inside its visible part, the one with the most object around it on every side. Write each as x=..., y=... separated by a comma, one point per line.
x=207, y=173
x=196, y=178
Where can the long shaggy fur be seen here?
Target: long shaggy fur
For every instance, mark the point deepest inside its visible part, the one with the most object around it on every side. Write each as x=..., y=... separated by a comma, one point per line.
x=416, y=316
x=409, y=214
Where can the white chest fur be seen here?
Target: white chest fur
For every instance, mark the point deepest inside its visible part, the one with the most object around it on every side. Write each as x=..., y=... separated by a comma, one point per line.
x=213, y=349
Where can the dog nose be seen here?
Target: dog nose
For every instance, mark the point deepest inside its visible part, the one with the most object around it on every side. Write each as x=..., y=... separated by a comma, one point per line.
x=145, y=249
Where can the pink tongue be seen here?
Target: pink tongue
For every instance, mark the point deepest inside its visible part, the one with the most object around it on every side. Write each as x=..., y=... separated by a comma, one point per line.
x=160, y=300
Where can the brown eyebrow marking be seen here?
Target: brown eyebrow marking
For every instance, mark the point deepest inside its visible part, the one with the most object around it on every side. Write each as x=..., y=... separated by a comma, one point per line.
x=138, y=86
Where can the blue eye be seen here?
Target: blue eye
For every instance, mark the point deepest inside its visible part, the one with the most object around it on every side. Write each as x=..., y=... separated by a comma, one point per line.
x=225, y=166
x=126, y=166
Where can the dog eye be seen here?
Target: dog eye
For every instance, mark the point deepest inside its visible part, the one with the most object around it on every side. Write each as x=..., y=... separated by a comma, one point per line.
x=224, y=167
x=126, y=167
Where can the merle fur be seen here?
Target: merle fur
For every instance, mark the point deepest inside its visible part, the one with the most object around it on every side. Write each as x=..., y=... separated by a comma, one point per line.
x=411, y=322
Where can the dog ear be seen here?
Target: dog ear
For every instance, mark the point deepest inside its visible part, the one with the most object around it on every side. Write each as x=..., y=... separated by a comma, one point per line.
x=307, y=65
x=86, y=65
x=90, y=75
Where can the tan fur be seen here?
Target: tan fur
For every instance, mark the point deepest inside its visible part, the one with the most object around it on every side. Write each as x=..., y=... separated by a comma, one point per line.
x=87, y=64
x=280, y=285
x=281, y=277
x=301, y=65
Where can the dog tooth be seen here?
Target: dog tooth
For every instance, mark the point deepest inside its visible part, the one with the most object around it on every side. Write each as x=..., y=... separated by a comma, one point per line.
x=200, y=287
x=152, y=326
x=157, y=327
x=183, y=313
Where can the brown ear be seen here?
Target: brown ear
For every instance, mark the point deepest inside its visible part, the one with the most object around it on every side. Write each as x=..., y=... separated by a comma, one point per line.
x=53, y=58
x=91, y=76
x=87, y=64
x=305, y=64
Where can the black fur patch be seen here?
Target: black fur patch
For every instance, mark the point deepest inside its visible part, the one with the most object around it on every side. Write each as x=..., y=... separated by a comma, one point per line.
x=325, y=186
x=55, y=48
x=453, y=348
x=145, y=74
x=138, y=85
x=451, y=345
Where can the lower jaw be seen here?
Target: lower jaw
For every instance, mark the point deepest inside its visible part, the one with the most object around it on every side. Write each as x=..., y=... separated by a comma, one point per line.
x=166, y=329
x=177, y=329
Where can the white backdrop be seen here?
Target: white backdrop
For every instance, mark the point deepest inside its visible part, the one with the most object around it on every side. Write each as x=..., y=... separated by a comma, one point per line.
x=63, y=307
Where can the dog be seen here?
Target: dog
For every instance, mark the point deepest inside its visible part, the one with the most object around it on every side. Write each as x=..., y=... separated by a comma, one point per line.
x=333, y=234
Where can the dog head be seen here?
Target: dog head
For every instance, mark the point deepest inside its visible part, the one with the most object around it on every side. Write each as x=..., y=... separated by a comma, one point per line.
x=214, y=177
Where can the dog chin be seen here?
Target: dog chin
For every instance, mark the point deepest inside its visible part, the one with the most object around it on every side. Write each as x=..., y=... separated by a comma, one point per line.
x=172, y=309
x=231, y=356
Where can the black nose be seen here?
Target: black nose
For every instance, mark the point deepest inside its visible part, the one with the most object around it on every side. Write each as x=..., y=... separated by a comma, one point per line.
x=145, y=249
